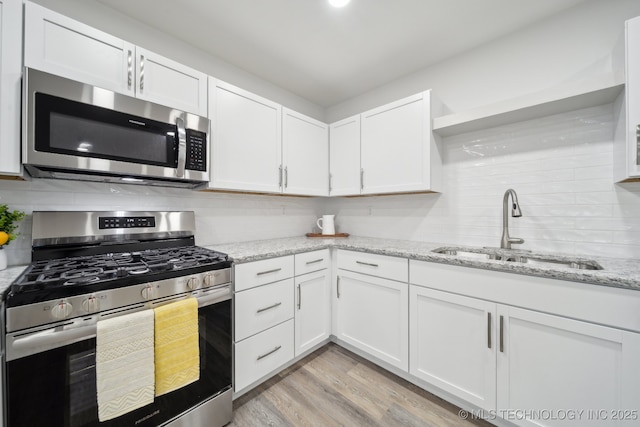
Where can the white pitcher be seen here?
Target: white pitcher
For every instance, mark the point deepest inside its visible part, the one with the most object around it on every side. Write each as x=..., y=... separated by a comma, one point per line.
x=326, y=224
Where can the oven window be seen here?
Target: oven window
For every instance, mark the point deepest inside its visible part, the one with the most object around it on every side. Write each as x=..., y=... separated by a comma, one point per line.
x=58, y=387
x=74, y=128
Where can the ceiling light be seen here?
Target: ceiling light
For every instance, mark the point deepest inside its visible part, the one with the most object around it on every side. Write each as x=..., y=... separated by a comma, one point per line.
x=339, y=3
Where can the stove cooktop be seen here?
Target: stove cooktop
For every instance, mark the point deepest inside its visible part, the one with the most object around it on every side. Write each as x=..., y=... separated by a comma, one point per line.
x=58, y=278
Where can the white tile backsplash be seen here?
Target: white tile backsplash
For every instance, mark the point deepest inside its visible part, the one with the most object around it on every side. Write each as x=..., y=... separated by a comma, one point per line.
x=560, y=166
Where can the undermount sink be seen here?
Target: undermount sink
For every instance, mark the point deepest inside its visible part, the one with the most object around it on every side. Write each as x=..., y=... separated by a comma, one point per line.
x=522, y=257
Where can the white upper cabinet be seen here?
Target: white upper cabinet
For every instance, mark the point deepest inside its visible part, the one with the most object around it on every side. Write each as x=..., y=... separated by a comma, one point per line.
x=400, y=153
x=627, y=141
x=65, y=47
x=344, y=157
x=10, y=81
x=305, y=153
x=246, y=140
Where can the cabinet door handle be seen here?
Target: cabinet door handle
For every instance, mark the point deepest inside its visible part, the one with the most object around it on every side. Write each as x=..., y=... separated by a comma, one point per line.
x=275, y=270
x=299, y=298
x=501, y=334
x=361, y=179
x=638, y=144
x=129, y=69
x=338, y=286
x=280, y=177
x=315, y=261
x=489, y=329
x=367, y=263
x=141, y=73
x=260, y=310
x=330, y=176
x=286, y=176
x=262, y=356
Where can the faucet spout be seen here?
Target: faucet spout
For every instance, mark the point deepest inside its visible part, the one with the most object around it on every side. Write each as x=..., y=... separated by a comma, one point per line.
x=506, y=241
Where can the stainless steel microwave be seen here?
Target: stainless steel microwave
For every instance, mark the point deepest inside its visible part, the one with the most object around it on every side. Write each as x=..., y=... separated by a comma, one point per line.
x=72, y=130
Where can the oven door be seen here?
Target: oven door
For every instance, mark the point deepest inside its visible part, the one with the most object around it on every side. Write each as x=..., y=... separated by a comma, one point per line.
x=57, y=386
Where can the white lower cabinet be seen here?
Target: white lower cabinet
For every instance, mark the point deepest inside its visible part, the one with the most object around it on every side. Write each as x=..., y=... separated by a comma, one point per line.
x=261, y=354
x=313, y=310
x=453, y=344
x=372, y=315
x=550, y=363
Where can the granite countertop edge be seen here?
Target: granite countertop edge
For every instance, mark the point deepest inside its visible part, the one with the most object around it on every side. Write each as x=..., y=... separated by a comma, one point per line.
x=617, y=273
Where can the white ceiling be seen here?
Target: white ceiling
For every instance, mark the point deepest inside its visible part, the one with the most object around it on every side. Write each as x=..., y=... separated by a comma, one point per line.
x=329, y=55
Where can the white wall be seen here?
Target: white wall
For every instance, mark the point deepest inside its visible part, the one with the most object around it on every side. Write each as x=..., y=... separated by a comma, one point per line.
x=220, y=217
x=561, y=168
x=579, y=43
x=113, y=22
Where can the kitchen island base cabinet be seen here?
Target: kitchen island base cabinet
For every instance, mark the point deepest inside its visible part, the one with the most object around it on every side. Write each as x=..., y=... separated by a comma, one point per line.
x=261, y=354
x=453, y=344
x=372, y=315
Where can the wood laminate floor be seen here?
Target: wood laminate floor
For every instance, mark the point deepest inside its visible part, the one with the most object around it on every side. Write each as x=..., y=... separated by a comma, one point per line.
x=334, y=387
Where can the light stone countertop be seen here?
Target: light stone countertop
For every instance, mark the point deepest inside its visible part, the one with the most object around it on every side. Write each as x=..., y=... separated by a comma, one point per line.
x=620, y=273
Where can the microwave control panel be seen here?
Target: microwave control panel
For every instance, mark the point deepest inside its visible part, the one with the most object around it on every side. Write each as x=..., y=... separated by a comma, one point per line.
x=196, y=150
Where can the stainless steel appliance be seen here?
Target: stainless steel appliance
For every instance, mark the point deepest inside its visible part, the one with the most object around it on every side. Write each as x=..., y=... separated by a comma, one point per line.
x=89, y=266
x=73, y=130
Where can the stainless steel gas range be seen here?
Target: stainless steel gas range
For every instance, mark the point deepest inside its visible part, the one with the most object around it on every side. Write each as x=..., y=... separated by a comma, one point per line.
x=89, y=271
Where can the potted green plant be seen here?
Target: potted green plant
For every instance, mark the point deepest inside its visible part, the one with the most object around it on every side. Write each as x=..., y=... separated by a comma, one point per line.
x=8, y=225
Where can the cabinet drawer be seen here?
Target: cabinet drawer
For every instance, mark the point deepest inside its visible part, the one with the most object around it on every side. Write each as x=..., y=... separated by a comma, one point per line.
x=255, y=357
x=258, y=273
x=311, y=261
x=261, y=308
x=376, y=265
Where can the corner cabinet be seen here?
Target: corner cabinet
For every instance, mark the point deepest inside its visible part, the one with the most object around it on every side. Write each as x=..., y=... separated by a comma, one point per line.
x=626, y=147
x=62, y=46
x=10, y=84
x=246, y=152
x=305, y=155
x=344, y=160
x=400, y=153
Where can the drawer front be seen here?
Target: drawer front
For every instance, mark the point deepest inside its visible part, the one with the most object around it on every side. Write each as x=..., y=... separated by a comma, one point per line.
x=260, y=308
x=255, y=357
x=376, y=265
x=261, y=272
x=311, y=261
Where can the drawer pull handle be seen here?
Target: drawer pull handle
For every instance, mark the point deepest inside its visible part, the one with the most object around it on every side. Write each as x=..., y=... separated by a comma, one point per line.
x=275, y=270
x=501, y=334
x=338, y=287
x=269, y=308
x=262, y=356
x=489, y=330
x=315, y=261
x=367, y=263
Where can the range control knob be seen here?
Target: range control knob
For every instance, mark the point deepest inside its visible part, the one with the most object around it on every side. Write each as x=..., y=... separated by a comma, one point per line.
x=148, y=292
x=61, y=310
x=193, y=283
x=208, y=279
x=91, y=304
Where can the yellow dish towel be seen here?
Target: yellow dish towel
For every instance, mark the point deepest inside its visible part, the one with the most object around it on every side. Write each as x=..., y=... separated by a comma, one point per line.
x=124, y=364
x=176, y=345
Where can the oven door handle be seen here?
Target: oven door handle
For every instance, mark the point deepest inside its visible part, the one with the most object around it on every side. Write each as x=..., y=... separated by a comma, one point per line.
x=21, y=345
x=182, y=147
x=214, y=296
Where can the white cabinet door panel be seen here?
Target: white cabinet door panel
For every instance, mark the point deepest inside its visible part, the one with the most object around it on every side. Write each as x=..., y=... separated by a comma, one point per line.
x=246, y=148
x=313, y=310
x=372, y=315
x=549, y=362
x=344, y=152
x=60, y=45
x=305, y=152
x=167, y=82
x=453, y=344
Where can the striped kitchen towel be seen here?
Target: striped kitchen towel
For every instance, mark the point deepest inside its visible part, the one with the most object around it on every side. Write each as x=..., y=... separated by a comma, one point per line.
x=176, y=345
x=124, y=364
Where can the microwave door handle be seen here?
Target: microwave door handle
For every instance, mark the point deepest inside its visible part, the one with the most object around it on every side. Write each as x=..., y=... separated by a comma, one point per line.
x=182, y=147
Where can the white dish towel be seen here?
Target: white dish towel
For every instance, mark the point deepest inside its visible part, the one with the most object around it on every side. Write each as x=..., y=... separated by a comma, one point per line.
x=124, y=364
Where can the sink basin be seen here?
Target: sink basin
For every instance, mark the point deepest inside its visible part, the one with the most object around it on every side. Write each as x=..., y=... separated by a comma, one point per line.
x=522, y=257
